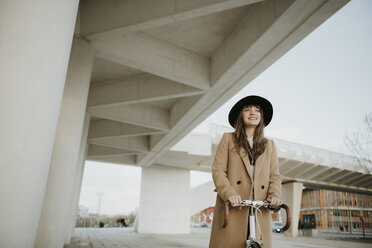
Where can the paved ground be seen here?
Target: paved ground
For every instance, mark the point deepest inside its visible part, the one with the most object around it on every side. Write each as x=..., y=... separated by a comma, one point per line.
x=199, y=238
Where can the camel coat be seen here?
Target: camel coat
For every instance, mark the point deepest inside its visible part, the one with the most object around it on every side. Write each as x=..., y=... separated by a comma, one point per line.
x=232, y=174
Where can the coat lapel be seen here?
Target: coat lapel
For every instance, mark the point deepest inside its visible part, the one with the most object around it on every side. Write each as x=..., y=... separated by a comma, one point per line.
x=245, y=159
x=259, y=164
x=247, y=165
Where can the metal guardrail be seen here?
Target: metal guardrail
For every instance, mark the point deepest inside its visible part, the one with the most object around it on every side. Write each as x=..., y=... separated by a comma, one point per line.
x=292, y=150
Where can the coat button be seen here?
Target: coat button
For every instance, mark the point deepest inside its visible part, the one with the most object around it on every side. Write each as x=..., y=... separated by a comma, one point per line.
x=238, y=182
x=262, y=186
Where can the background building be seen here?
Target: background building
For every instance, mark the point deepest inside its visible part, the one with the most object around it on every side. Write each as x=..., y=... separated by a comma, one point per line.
x=338, y=211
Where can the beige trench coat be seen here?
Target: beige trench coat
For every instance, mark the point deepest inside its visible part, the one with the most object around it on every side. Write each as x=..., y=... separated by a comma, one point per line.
x=232, y=174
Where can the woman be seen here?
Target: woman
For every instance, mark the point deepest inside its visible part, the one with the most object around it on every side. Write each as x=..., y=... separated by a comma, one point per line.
x=245, y=156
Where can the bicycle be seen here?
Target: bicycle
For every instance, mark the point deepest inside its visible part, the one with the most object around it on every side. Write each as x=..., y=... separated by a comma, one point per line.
x=252, y=242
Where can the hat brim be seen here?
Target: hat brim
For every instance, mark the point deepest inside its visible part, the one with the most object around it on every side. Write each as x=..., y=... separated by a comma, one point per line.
x=265, y=105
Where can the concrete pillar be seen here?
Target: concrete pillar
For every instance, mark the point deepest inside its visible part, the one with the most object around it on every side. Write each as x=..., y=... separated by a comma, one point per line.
x=35, y=43
x=78, y=180
x=59, y=190
x=291, y=195
x=164, y=200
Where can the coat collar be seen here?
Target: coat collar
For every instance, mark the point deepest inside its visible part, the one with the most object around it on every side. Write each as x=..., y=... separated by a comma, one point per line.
x=247, y=165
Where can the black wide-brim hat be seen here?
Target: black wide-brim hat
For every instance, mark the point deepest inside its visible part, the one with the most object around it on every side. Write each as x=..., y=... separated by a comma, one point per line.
x=265, y=105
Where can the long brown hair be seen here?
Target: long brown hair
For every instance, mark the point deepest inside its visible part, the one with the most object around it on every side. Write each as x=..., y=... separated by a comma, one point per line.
x=240, y=137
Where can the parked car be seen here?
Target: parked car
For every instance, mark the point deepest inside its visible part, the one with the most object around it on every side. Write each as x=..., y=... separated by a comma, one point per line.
x=203, y=224
x=276, y=226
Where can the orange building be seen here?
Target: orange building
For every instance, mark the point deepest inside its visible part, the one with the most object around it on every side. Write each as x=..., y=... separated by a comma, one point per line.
x=336, y=210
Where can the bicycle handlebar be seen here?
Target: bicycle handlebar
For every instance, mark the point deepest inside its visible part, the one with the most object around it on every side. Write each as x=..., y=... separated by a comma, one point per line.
x=247, y=203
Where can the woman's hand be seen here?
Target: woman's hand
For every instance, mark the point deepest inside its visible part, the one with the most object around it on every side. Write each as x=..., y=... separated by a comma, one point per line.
x=275, y=203
x=235, y=199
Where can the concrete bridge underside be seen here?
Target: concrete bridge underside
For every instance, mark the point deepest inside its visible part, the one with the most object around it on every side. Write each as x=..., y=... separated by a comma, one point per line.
x=121, y=82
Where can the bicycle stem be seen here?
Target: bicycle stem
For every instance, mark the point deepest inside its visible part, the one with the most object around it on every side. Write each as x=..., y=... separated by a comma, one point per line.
x=252, y=224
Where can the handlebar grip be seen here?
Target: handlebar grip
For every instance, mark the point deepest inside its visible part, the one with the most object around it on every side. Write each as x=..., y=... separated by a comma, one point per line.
x=288, y=221
x=287, y=212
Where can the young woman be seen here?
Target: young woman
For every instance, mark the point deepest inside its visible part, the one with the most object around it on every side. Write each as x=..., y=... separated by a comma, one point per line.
x=245, y=167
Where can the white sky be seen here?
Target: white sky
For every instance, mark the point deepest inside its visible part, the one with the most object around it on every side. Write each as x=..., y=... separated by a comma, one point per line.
x=320, y=91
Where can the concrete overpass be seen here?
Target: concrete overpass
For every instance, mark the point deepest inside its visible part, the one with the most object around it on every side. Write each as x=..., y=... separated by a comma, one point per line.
x=309, y=165
x=121, y=82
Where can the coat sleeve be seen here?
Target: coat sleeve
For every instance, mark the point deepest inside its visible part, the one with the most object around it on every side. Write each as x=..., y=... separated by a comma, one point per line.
x=275, y=181
x=219, y=170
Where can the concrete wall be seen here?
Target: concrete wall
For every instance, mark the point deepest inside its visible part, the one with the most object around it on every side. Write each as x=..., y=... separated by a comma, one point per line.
x=164, y=200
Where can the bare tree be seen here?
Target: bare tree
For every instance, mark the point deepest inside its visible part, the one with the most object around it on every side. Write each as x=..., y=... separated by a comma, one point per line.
x=359, y=144
x=132, y=217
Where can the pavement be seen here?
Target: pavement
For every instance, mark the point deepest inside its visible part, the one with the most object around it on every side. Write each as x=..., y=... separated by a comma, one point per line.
x=198, y=238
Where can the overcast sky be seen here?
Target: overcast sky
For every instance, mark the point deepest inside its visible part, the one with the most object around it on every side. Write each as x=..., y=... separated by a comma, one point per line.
x=320, y=91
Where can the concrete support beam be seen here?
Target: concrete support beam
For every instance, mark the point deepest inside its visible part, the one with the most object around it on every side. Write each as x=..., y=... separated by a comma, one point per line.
x=138, y=143
x=71, y=221
x=96, y=152
x=125, y=17
x=59, y=191
x=247, y=46
x=140, y=114
x=291, y=195
x=332, y=186
x=360, y=176
x=181, y=109
x=164, y=200
x=124, y=159
x=328, y=173
x=306, y=172
x=106, y=128
x=136, y=89
x=292, y=165
x=35, y=45
x=341, y=175
x=355, y=177
x=148, y=54
x=242, y=44
x=318, y=170
x=367, y=185
x=363, y=180
x=298, y=170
